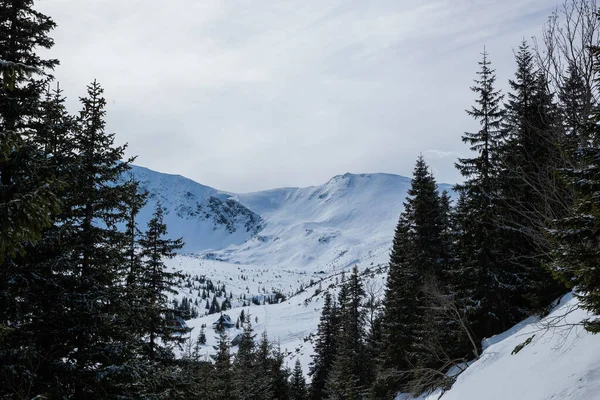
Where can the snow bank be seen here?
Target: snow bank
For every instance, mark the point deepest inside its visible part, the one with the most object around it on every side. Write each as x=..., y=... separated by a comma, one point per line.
x=562, y=361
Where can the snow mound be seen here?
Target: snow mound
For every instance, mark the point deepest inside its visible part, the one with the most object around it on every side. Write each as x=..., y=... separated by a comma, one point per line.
x=549, y=359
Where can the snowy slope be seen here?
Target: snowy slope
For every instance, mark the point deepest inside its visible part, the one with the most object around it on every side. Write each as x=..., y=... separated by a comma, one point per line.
x=205, y=217
x=562, y=361
x=291, y=323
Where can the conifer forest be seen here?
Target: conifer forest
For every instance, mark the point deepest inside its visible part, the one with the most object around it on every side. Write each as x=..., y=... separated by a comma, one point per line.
x=92, y=308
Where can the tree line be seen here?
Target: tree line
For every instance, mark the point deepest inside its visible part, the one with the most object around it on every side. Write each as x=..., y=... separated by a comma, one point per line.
x=519, y=231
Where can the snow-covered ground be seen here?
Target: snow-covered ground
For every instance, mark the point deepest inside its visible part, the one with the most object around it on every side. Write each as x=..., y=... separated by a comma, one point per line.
x=561, y=361
x=288, y=324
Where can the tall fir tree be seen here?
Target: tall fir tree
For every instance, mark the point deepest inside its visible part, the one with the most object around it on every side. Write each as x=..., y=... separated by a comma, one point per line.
x=576, y=235
x=93, y=307
x=480, y=250
x=298, y=383
x=420, y=253
x=324, y=349
x=531, y=195
x=26, y=199
x=157, y=283
x=348, y=376
x=223, y=383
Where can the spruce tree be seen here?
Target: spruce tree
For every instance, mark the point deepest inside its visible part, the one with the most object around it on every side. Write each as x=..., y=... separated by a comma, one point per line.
x=28, y=194
x=418, y=255
x=324, y=349
x=574, y=103
x=298, y=383
x=531, y=195
x=223, y=381
x=26, y=198
x=33, y=280
x=246, y=382
x=576, y=235
x=156, y=284
x=347, y=378
x=480, y=238
x=93, y=307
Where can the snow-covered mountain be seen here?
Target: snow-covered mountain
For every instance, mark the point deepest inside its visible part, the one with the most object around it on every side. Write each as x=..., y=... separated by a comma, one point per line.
x=348, y=219
x=206, y=218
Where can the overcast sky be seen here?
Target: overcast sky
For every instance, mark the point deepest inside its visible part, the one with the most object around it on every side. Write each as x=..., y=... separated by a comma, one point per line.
x=246, y=95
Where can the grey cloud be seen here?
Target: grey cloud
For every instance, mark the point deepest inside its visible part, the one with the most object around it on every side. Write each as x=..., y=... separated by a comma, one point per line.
x=246, y=95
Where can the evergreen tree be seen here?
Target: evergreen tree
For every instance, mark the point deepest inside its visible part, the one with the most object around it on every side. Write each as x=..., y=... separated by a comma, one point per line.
x=574, y=103
x=419, y=255
x=214, y=305
x=576, y=235
x=279, y=374
x=157, y=282
x=531, y=194
x=26, y=198
x=202, y=336
x=246, y=383
x=28, y=195
x=223, y=383
x=324, y=349
x=480, y=241
x=298, y=383
x=347, y=378
x=33, y=281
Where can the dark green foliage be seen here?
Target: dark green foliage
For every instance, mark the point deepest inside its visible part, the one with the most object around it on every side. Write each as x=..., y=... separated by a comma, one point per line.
x=420, y=254
x=348, y=376
x=576, y=236
x=154, y=283
x=481, y=271
x=223, y=384
x=531, y=194
x=26, y=196
x=324, y=349
x=298, y=383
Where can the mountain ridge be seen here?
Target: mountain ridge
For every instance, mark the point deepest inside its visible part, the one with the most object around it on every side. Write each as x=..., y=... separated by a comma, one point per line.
x=350, y=214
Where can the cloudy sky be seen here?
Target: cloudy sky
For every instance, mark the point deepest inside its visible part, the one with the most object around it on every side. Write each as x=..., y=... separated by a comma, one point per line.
x=245, y=95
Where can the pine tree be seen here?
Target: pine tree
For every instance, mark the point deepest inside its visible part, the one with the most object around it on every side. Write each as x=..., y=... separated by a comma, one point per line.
x=26, y=200
x=421, y=255
x=244, y=374
x=576, y=235
x=298, y=383
x=156, y=283
x=347, y=378
x=324, y=349
x=91, y=311
x=33, y=280
x=202, y=336
x=531, y=194
x=264, y=383
x=214, y=305
x=223, y=383
x=28, y=193
x=480, y=252
x=574, y=103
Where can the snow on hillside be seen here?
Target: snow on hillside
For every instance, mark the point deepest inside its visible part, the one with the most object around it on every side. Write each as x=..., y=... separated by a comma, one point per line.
x=561, y=361
x=291, y=323
x=348, y=220
x=205, y=217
